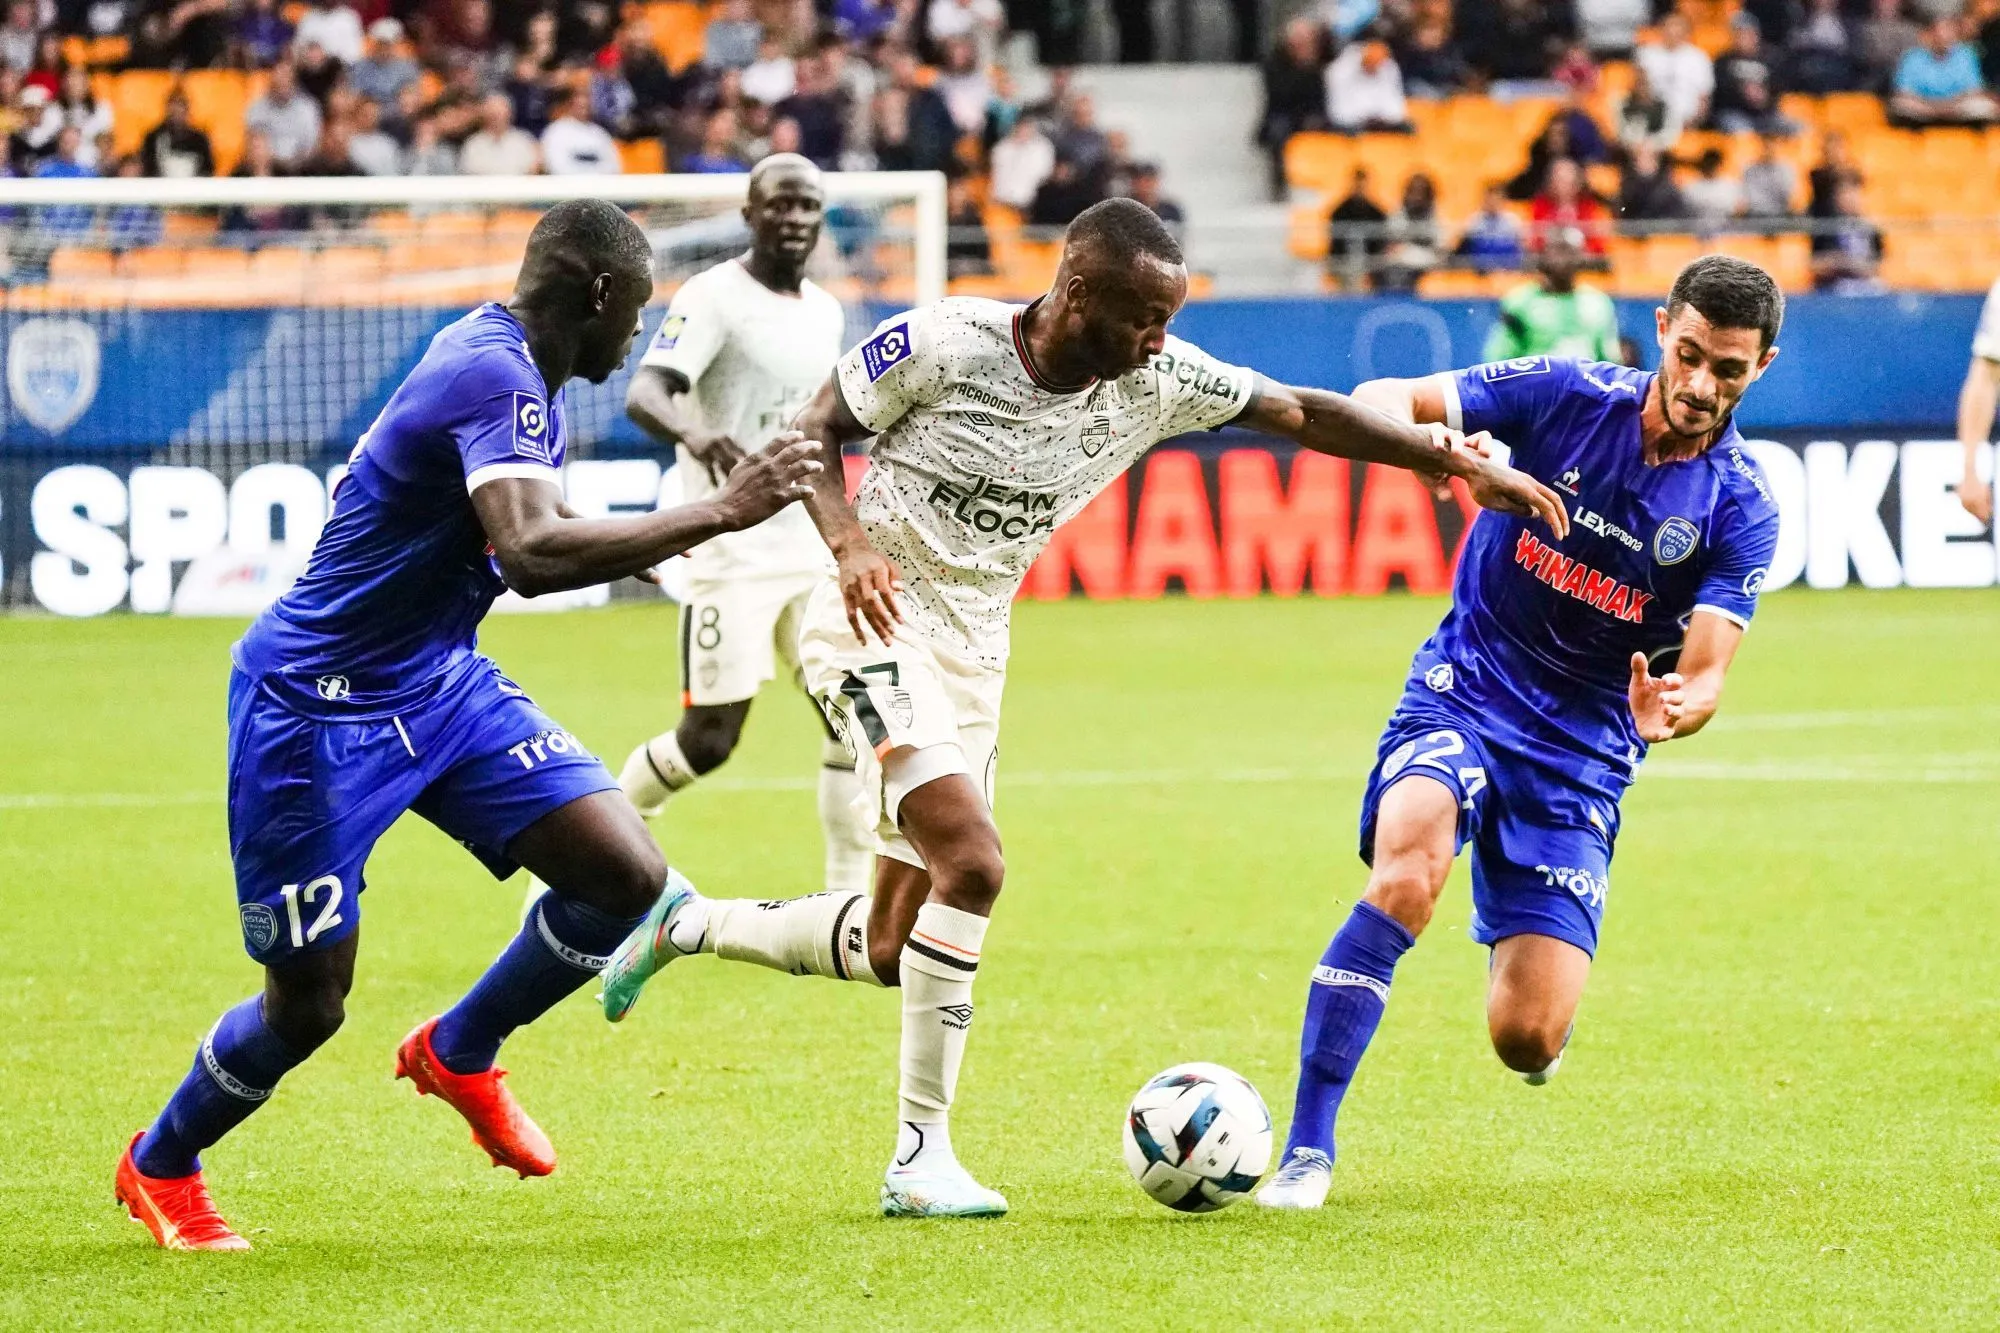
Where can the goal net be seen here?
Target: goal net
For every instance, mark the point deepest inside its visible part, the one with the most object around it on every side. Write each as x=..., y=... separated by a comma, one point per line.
x=188, y=362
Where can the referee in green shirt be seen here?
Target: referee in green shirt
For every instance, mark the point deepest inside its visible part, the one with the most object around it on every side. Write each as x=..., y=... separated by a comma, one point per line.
x=1556, y=315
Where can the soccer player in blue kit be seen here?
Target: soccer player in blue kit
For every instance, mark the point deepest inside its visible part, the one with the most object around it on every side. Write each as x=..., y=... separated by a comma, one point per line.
x=359, y=695
x=1526, y=715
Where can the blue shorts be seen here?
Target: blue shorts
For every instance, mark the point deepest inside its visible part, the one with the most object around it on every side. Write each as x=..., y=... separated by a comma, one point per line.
x=309, y=797
x=1541, y=841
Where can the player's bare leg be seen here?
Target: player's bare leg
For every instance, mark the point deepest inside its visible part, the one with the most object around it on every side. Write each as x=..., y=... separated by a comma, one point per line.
x=700, y=743
x=1532, y=994
x=1415, y=835
x=604, y=871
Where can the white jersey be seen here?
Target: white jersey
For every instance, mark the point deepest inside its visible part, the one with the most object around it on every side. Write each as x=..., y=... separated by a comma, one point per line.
x=1986, y=341
x=754, y=358
x=978, y=460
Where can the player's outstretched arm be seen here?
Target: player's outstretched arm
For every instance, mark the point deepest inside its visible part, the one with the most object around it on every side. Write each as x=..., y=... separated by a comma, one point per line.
x=869, y=581
x=542, y=547
x=1387, y=429
x=1681, y=702
x=657, y=402
x=1976, y=399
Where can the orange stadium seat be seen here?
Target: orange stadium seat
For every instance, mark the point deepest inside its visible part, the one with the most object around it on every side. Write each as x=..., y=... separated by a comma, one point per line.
x=1852, y=112
x=680, y=28
x=642, y=157
x=138, y=100
x=80, y=263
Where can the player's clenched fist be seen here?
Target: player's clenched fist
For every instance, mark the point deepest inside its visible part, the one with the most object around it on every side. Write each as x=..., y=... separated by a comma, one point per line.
x=869, y=582
x=1658, y=702
x=765, y=482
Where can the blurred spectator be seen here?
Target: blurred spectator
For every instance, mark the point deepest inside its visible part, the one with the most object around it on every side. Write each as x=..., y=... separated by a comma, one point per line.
x=334, y=26
x=429, y=153
x=318, y=72
x=1564, y=202
x=584, y=28
x=1645, y=118
x=370, y=147
x=1143, y=184
x=175, y=148
x=1491, y=241
x=130, y=226
x=1646, y=189
x=613, y=104
x=1847, y=255
x=863, y=21
x=528, y=94
x=1364, y=91
x=1347, y=19
x=1821, y=51
x=1987, y=36
x=1610, y=28
x=262, y=36
x=1431, y=62
x=717, y=155
x=499, y=147
x=1554, y=144
x=1575, y=72
x=968, y=252
x=771, y=77
x=1938, y=82
x=456, y=108
x=331, y=155
x=1354, y=231
x=1880, y=42
x=733, y=36
x=654, y=88
x=1712, y=197
x=455, y=29
x=1584, y=135
x=1514, y=42
x=538, y=42
x=1769, y=182
x=1414, y=241
x=855, y=82
x=963, y=85
x=18, y=35
x=62, y=164
x=65, y=158
x=1079, y=141
x=383, y=71
x=783, y=138
x=260, y=163
x=1681, y=71
x=76, y=105
x=822, y=120
x=1834, y=169
x=1062, y=196
x=1745, y=98
x=46, y=70
x=1294, y=94
x=287, y=118
x=980, y=22
x=1020, y=163
x=1556, y=315
x=574, y=145
x=1003, y=108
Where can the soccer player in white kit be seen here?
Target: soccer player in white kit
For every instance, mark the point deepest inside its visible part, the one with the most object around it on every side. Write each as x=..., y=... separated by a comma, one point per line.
x=994, y=425
x=743, y=348
x=1976, y=399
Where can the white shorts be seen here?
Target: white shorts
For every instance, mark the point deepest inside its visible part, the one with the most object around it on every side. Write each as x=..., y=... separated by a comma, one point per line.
x=907, y=695
x=735, y=634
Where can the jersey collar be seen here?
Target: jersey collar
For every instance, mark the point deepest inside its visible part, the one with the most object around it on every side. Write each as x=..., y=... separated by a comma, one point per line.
x=1027, y=364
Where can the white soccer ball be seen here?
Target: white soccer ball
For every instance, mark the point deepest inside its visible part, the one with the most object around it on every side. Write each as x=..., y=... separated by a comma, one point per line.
x=1197, y=1137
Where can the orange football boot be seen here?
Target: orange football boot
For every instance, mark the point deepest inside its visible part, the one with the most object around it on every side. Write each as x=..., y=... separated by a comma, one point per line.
x=499, y=1125
x=178, y=1212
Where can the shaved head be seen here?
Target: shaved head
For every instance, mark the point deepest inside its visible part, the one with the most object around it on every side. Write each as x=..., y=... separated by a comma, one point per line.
x=781, y=166
x=1121, y=279
x=785, y=208
x=1119, y=234
x=588, y=272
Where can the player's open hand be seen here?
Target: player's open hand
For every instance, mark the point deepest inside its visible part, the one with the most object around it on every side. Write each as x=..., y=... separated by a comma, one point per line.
x=719, y=454
x=1977, y=497
x=782, y=472
x=1658, y=702
x=869, y=584
x=1494, y=485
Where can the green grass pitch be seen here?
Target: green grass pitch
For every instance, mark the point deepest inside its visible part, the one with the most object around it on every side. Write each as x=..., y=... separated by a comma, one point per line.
x=1781, y=1107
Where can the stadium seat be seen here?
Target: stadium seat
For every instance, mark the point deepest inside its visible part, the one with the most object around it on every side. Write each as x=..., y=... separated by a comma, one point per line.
x=79, y=263
x=1319, y=161
x=680, y=29
x=642, y=157
x=138, y=100
x=1852, y=112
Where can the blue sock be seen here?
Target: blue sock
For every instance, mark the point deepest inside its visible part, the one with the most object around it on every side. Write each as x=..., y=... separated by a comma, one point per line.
x=239, y=1063
x=562, y=945
x=1349, y=989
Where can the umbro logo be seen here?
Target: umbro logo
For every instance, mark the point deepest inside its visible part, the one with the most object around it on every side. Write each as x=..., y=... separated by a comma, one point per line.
x=957, y=1016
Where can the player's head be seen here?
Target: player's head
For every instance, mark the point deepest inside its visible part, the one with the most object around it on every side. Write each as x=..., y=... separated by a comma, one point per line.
x=1561, y=258
x=1121, y=279
x=1718, y=331
x=589, y=271
x=784, y=209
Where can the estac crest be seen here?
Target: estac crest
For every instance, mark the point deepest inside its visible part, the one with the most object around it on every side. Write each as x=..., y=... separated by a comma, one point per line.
x=52, y=367
x=260, y=926
x=1675, y=541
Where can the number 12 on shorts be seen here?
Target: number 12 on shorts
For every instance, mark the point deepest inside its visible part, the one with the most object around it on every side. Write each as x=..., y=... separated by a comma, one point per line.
x=329, y=913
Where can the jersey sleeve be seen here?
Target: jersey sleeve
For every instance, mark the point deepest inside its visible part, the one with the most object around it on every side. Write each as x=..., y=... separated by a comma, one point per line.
x=1746, y=537
x=505, y=426
x=1507, y=398
x=1986, y=340
x=1198, y=392
x=900, y=366
x=691, y=334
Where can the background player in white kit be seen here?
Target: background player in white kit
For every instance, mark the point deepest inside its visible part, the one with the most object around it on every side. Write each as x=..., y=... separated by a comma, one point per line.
x=743, y=348
x=1976, y=400
x=995, y=424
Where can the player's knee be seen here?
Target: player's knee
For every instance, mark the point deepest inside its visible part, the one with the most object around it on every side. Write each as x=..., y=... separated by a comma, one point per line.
x=1406, y=888
x=304, y=1017
x=636, y=883
x=970, y=877
x=708, y=737
x=1525, y=1043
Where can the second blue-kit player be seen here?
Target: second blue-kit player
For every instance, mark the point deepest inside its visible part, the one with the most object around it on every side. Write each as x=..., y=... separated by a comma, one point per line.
x=359, y=694
x=1527, y=714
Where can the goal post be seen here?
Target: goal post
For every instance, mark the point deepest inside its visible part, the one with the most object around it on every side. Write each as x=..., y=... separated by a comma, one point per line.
x=188, y=362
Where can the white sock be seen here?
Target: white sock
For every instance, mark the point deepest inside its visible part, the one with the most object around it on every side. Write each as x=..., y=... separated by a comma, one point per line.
x=847, y=817
x=819, y=935
x=653, y=772
x=938, y=964
x=924, y=1145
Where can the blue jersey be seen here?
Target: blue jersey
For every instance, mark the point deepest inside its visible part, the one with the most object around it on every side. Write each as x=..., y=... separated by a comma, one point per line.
x=391, y=599
x=1540, y=635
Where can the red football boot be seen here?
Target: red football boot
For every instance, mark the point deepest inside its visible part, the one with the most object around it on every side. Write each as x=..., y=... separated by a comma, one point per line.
x=178, y=1212
x=499, y=1125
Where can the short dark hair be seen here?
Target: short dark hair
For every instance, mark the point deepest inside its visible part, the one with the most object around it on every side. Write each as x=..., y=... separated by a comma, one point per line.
x=1730, y=293
x=1122, y=231
x=581, y=238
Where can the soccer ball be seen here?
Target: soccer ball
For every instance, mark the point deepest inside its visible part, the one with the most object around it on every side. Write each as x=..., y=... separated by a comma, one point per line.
x=1197, y=1137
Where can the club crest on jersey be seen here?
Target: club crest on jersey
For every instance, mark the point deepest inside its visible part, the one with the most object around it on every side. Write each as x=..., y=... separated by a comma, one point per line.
x=1095, y=436
x=260, y=926
x=884, y=350
x=670, y=332
x=331, y=688
x=1675, y=541
x=531, y=427
x=902, y=708
x=1495, y=371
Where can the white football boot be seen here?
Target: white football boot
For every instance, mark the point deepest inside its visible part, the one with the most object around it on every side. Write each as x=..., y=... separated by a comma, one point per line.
x=937, y=1188
x=1301, y=1183
x=1541, y=1076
